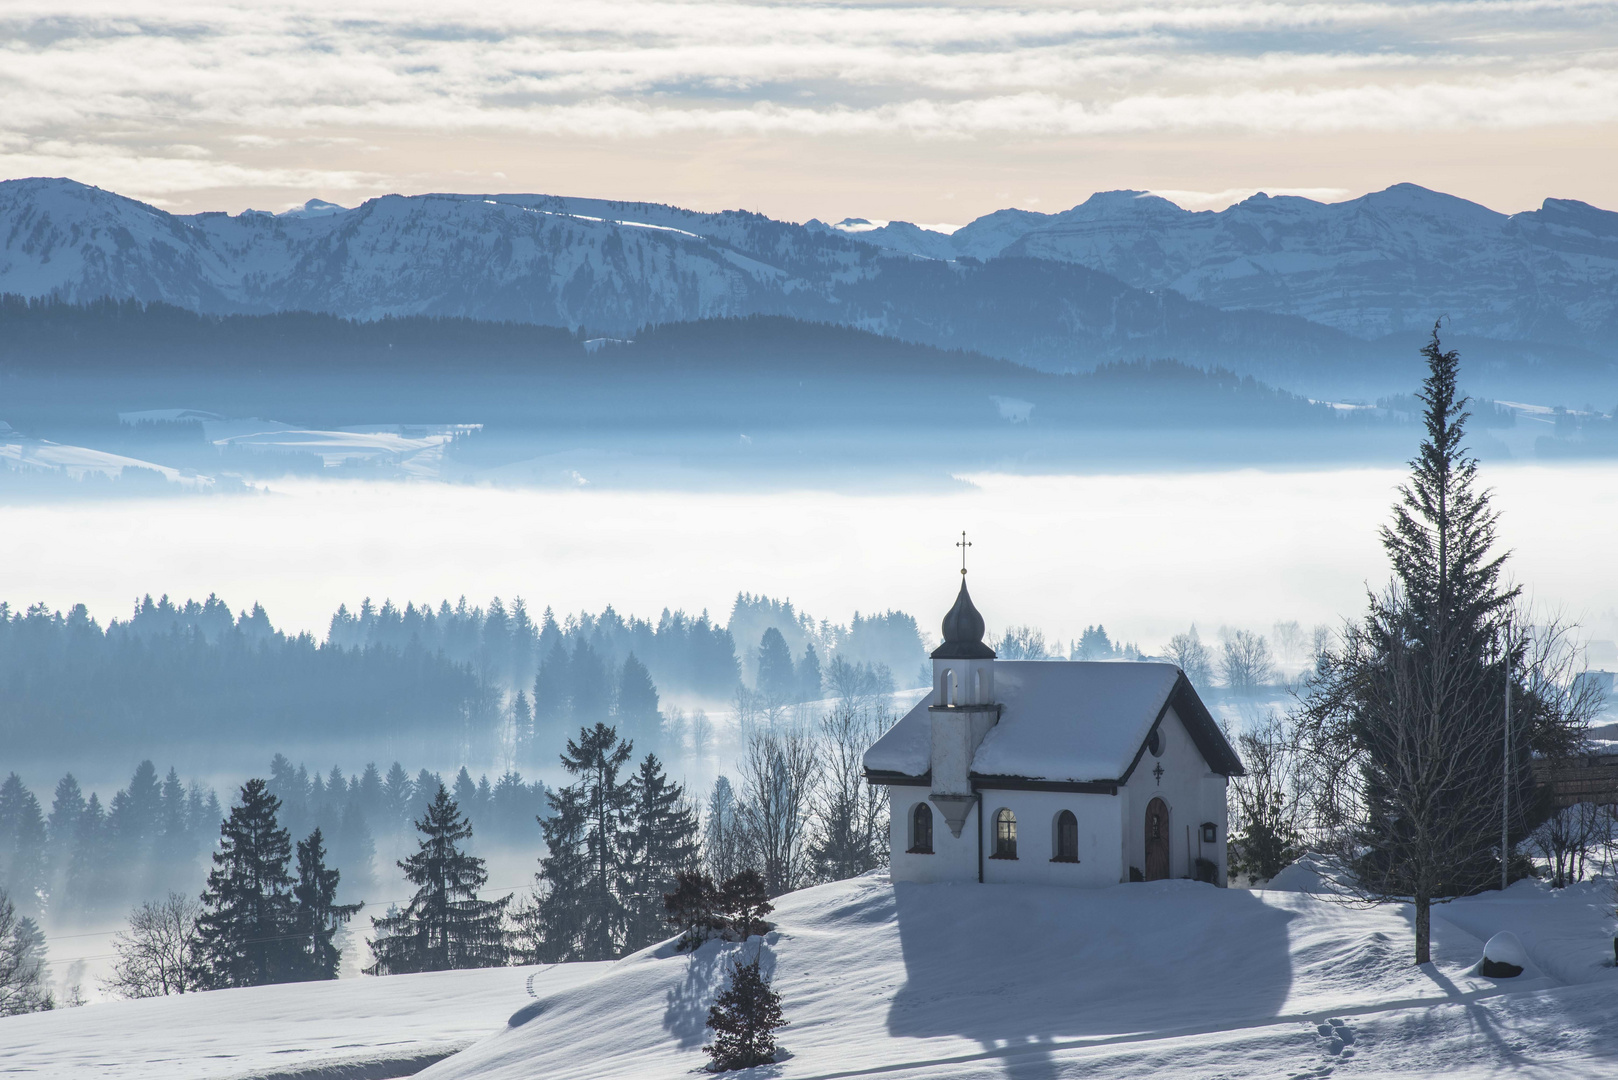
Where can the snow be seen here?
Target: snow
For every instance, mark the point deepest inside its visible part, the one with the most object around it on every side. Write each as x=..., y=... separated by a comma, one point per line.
x=1506, y=948
x=1164, y=979
x=1069, y=720
x=299, y=1028
x=76, y=461
x=1169, y=979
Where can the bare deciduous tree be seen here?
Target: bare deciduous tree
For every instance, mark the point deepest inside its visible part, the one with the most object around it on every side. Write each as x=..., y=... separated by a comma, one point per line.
x=701, y=735
x=780, y=771
x=1022, y=643
x=160, y=952
x=850, y=814
x=1265, y=836
x=1246, y=664
x=1192, y=657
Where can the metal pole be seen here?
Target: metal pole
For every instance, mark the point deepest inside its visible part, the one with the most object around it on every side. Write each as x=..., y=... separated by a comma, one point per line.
x=1505, y=780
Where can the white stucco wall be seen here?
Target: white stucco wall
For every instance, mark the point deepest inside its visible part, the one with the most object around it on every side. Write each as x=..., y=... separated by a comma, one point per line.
x=1193, y=795
x=952, y=859
x=1099, y=826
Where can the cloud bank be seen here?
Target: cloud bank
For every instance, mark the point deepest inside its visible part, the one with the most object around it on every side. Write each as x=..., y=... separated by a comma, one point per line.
x=174, y=97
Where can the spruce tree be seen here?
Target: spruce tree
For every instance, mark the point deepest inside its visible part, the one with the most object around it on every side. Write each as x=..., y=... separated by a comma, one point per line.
x=553, y=928
x=247, y=932
x=637, y=704
x=553, y=685
x=590, y=690
x=445, y=926
x=22, y=846
x=317, y=916
x=90, y=866
x=809, y=674
x=744, y=1019
x=662, y=841
x=777, y=680
x=396, y=796
x=595, y=757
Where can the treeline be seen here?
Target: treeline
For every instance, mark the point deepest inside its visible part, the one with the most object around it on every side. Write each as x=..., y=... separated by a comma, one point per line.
x=194, y=675
x=84, y=859
x=460, y=682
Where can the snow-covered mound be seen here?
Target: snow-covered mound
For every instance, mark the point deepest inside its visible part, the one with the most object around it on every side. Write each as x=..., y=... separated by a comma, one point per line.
x=1166, y=978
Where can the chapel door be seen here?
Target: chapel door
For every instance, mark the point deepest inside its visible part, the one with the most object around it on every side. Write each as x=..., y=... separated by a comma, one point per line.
x=1157, y=840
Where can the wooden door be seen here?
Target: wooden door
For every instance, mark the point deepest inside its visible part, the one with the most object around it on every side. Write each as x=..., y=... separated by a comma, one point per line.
x=1157, y=840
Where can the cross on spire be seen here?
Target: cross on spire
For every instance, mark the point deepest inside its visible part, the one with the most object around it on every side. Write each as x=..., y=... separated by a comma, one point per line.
x=963, y=545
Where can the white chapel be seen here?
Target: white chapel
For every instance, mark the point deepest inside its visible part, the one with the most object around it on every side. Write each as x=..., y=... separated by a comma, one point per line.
x=1053, y=772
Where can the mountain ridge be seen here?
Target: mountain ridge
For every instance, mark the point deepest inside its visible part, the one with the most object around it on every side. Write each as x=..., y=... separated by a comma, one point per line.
x=1124, y=275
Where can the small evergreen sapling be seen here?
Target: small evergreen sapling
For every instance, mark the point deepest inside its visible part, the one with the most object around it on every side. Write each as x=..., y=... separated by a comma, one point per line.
x=744, y=1019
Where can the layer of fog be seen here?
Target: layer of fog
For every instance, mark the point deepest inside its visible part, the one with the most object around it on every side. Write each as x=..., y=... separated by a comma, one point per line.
x=1145, y=555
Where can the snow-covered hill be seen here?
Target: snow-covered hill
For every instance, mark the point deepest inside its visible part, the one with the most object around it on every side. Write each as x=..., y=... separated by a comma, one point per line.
x=1385, y=263
x=1169, y=979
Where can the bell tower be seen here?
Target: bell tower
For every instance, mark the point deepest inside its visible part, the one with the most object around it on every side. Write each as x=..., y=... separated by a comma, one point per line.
x=962, y=707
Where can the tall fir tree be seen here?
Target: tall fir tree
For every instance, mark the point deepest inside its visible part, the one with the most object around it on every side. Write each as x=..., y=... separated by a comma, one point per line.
x=396, y=796
x=91, y=864
x=661, y=842
x=246, y=928
x=317, y=916
x=777, y=680
x=445, y=926
x=22, y=847
x=553, y=927
x=637, y=707
x=590, y=689
x=61, y=833
x=553, y=684
x=596, y=757
x=1403, y=723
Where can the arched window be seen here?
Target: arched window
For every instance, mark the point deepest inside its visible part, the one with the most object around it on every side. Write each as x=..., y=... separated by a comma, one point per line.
x=921, y=830
x=1005, y=835
x=946, y=687
x=1067, y=837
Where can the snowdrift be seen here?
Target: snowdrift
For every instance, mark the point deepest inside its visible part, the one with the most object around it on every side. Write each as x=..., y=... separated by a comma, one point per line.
x=1030, y=982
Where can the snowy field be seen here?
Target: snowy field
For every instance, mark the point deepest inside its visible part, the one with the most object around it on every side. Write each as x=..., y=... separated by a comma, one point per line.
x=1168, y=979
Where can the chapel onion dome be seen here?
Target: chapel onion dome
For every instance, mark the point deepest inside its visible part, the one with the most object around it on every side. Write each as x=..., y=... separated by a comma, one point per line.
x=963, y=632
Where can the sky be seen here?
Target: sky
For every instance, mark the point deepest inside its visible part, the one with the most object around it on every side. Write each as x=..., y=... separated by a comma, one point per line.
x=928, y=112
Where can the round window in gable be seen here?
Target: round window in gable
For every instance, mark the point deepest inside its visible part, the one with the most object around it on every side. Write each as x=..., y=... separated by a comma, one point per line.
x=1154, y=742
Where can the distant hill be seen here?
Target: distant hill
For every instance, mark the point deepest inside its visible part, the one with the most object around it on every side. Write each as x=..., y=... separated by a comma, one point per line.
x=806, y=392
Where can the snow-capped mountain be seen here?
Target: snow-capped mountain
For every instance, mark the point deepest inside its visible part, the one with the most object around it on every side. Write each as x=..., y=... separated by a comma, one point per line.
x=1272, y=287
x=1389, y=262
x=608, y=266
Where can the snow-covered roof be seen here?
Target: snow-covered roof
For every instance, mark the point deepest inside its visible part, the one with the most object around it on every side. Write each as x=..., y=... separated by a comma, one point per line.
x=1064, y=721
